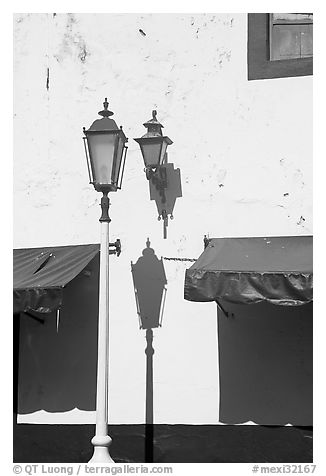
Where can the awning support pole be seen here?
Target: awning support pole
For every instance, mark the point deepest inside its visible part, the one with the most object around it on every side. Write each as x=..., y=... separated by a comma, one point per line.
x=101, y=441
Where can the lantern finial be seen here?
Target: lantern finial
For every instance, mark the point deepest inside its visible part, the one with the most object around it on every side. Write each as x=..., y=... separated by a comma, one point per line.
x=153, y=126
x=106, y=112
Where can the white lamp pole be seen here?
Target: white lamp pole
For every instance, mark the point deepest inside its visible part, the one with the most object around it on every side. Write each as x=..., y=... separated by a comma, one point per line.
x=105, y=153
x=101, y=440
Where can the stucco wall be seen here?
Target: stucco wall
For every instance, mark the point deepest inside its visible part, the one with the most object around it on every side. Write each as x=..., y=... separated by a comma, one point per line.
x=243, y=147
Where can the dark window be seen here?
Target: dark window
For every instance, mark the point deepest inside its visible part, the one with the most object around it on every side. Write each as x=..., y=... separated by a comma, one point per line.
x=279, y=45
x=290, y=35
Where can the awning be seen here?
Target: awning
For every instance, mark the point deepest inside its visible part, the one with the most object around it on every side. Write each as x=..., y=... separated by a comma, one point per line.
x=40, y=274
x=250, y=270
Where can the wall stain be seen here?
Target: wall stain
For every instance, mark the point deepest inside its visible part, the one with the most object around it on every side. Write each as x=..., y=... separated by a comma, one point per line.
x=248, y=201
x=48, y=79
x=23, y=17
x=301, y=220
x=221, y=177
x=83, y=53
x=224, y=56
x=72, y=18
x=72, y=42
x=142, y=32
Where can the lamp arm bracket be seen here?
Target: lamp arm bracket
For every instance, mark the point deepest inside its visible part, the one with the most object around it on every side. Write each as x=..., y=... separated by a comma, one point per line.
x=164, y=215
x=117, y=246
x=149, y=172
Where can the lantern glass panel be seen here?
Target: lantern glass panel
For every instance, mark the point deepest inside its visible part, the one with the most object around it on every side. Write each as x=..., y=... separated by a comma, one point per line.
x=101, y=151
x=151, y=152
x=117, y=165
x=164, y=147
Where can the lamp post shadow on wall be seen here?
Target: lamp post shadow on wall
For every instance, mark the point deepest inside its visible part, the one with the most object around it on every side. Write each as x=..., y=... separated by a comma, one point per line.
x=105, y=147
x=149, y=414
x=150, y=291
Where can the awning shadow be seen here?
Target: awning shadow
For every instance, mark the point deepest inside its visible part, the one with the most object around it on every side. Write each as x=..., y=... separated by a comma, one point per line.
x=265, y=361
x=58, y=350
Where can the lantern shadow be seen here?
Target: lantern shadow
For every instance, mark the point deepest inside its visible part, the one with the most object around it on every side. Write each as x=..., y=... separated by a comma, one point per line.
x=165, y=198
x=150, y=290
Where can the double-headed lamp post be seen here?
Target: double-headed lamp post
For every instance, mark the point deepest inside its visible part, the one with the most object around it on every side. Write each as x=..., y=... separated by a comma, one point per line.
x=105, y=153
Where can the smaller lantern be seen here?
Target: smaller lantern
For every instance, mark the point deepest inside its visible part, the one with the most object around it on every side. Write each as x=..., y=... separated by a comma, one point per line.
x=153, y=144
x=105, y=152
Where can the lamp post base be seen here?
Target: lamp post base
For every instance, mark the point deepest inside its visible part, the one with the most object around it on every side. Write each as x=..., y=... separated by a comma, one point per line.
x=101, y=450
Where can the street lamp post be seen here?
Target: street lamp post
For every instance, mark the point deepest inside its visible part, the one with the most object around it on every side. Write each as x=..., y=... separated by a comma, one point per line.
x=105, y=153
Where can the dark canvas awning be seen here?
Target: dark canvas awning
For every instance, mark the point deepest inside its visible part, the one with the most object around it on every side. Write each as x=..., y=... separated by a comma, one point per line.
x=41, y=273
x=249, y=270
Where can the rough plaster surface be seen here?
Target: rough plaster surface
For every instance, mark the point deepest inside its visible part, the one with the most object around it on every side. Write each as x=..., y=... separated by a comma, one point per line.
x=243, y=147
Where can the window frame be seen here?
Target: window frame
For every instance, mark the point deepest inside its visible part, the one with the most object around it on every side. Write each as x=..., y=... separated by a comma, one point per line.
x=259, y=64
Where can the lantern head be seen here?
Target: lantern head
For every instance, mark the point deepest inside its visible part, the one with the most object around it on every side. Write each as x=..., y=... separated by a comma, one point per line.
x=105, y=152
x=153, y=144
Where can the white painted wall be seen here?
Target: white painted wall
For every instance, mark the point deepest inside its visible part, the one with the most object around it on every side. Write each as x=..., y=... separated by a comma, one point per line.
x=254, y=137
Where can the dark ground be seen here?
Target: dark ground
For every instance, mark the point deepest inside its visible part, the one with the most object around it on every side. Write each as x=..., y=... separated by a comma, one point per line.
x=165, y=444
